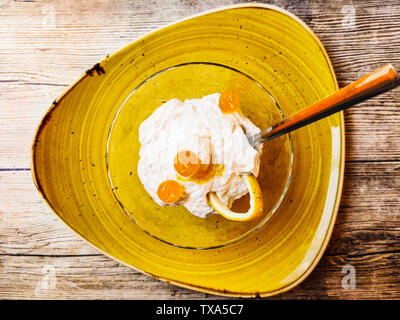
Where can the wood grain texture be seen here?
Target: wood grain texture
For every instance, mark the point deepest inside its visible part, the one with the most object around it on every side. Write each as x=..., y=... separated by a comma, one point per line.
x=47, y=45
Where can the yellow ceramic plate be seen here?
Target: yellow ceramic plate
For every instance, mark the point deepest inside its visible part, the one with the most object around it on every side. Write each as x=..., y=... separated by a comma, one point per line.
x=276, y=50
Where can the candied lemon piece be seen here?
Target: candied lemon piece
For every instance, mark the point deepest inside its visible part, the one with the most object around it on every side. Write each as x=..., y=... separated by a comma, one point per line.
x=229, y=101
x=170, y=191
x=256, y=202
x=187, y=163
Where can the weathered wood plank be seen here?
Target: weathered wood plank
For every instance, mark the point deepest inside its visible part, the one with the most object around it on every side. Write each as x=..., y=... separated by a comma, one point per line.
x=47, y=45
x=65, y=38
x=97, y=277
x=371, y=278
x=367, y=220
x=365, y=236
x=372, y=129
x=28, y=226
x=87, y=277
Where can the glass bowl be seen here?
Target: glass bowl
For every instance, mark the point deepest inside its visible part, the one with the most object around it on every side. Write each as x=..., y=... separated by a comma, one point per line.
x=176, y=225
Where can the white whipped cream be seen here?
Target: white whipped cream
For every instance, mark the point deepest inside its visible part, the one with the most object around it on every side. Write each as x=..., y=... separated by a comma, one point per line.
x=200, y=126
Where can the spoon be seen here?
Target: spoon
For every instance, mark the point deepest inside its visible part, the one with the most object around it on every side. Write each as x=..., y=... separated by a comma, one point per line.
x=374, y=83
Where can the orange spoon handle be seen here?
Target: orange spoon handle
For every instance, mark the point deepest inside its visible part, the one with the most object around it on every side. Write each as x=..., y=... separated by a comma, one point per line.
x=378, y=81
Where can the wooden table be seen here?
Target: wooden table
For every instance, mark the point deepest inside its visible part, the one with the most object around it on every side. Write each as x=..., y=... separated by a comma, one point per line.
x=47, y=45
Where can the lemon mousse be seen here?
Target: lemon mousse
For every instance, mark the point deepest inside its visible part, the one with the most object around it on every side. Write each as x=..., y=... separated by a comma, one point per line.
x=195, y=153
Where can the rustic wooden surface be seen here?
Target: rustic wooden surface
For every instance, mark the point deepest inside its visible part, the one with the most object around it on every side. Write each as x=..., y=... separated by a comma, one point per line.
x=46, y=45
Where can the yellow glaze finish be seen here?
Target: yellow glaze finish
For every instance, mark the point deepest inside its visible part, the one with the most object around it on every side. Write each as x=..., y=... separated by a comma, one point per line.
x=283, y=55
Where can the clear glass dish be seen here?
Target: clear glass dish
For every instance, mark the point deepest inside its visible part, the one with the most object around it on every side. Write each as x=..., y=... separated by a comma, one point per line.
x=176, y=225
